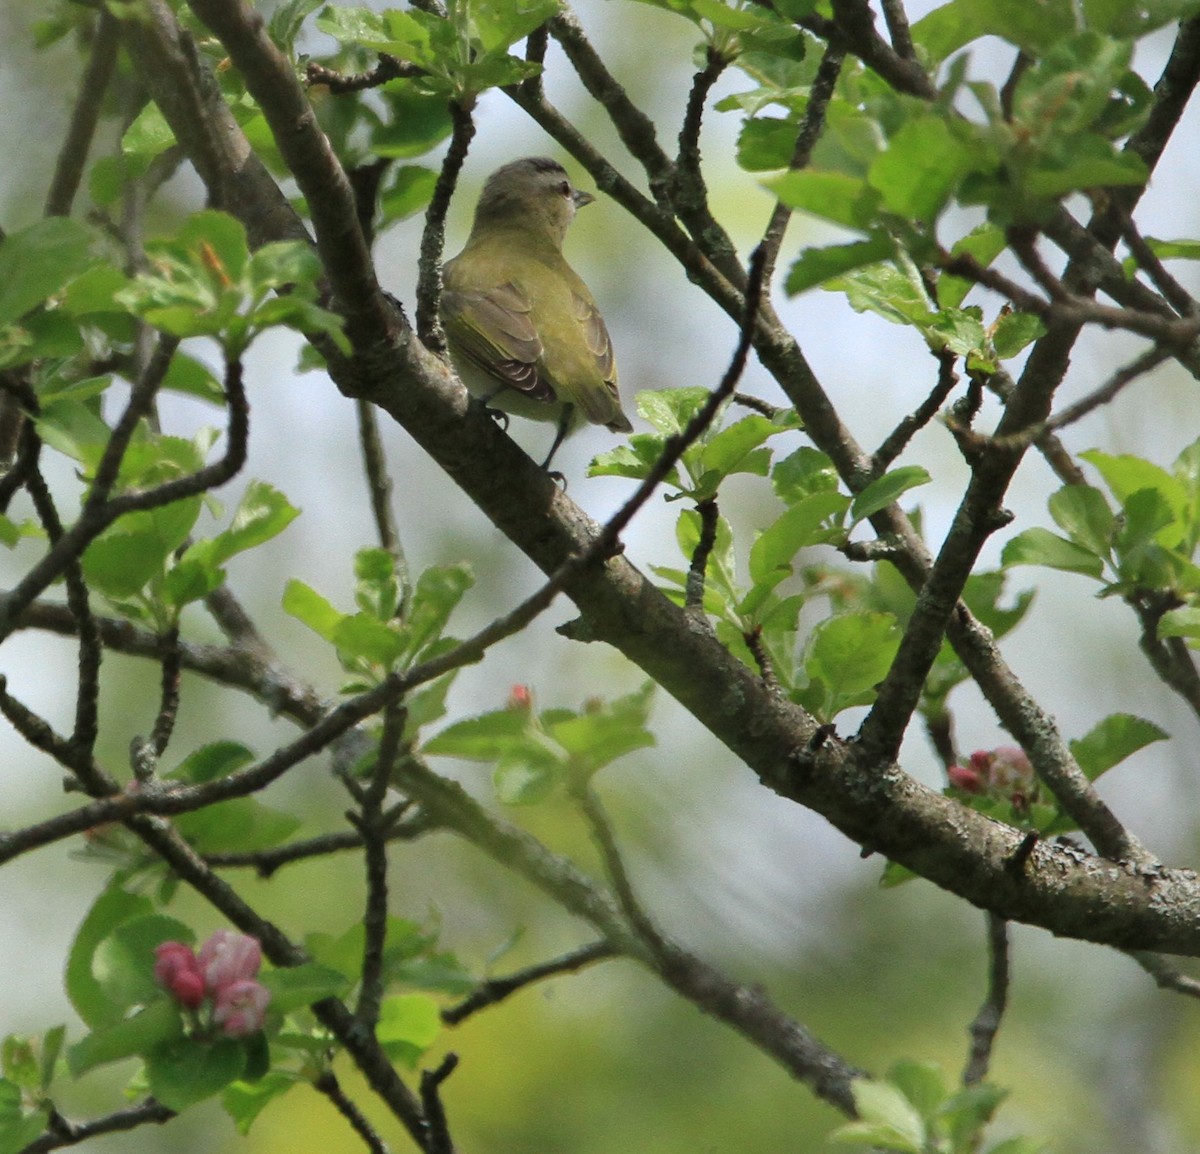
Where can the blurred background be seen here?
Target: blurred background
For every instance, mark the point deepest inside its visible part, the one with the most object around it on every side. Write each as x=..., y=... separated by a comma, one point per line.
x=1098, y=1061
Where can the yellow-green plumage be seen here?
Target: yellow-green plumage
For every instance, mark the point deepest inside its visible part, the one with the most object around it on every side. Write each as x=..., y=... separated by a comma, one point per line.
x=523, y=329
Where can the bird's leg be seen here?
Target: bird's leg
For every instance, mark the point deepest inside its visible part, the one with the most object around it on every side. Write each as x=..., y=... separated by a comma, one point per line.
x=564, y=427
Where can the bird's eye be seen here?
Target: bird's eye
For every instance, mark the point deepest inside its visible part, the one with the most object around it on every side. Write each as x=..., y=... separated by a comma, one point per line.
x=565, y=188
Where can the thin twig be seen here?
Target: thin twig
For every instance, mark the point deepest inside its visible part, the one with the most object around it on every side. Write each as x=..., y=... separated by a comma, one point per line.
x=709, y=520
x=493, y=990
x=819, y=96
x=437, y=1132
x=1148, y=260
x=433, y=238
x=72, y=157
x=61, y=1132
x=984, y=1028
x=897, y=440
x=372, y=822
x=614, y=867
x=265, y=862
x=326, y=1083
x=1165, y=974
x=389, y=68
x=379, y=488
x=168, y=708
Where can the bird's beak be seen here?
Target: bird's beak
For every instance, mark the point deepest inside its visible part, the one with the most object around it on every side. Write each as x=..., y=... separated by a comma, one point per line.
x=581, y=198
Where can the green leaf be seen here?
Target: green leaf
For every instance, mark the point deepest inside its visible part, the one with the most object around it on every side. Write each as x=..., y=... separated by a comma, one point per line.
x=408, y=1025
x=882, y=1104
x=124, y=559
x=922, y=165
x=484, y=738
x=295, y=987
x=212, y=761
x=1014, y=331
x=182, y=1072
x=244, y=1101
x=438, y=592
x=881, y=492
x=1126, y=474
x=1112, y=740
x=669, y=410
x=37, y=261
x=262, y=514
x=848, y=655
x=802, y=473
x=1083, y=514
x=595, y=738
x=984, y=243
x=922, y=1083
x=1030, y=24
x=236, y=824
x=110, y=909
x=365, y=636
x=815, y=266
x=1183, y=622
x=18, y=1060
x=408, y=191
x=810, y=521
x=18, y=1127
x=835, y=196
x=158, y=1023
x=527, y=780
x=123, y=962
x=311, y=609
x=1039, y=546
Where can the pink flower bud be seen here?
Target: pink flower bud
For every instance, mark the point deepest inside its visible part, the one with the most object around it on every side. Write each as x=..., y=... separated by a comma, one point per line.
x=228, y=957
x=968, y=779
x=240, y=1007
x=520, y=698
x=177, y=970
x=1011, y=772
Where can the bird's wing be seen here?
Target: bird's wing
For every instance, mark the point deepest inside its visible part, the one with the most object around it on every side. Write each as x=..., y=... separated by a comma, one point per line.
x=494, y=330
x=595, y=334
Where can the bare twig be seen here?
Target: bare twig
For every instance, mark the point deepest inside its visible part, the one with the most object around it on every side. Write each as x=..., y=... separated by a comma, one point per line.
x=433, y=238
x=326, y=1082
x=72, y=157
x=379, y=488
x=819, y=96
x=709, y=519
x=984, y=1028
x=493, y=990
x=61, y=1132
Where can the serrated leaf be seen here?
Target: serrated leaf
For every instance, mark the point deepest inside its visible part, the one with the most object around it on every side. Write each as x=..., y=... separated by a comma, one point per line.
x=849, y=655
x=1039, y=546
x=183, y=1072
x=834, y=196
x=308, y=606
x=810, y=521
x=157, y=1023
x=815, y=266
x=110, y=909
x=295, y=987
x=1083, y=514
x=882, y=1104
x=881, y=492
x=37, y=261
x=1111, y=741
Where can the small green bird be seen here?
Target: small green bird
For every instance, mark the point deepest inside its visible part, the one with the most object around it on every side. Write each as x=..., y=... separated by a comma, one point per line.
x=524, y=331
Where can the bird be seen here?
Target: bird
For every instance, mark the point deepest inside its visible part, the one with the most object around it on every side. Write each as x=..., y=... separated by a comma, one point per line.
x=522, y=328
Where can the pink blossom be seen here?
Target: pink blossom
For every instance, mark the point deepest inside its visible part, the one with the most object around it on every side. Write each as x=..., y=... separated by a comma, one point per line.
x=177, y=970
x=520, y=699
x=968, y=779
x=229, y=957
x=240, y=1007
